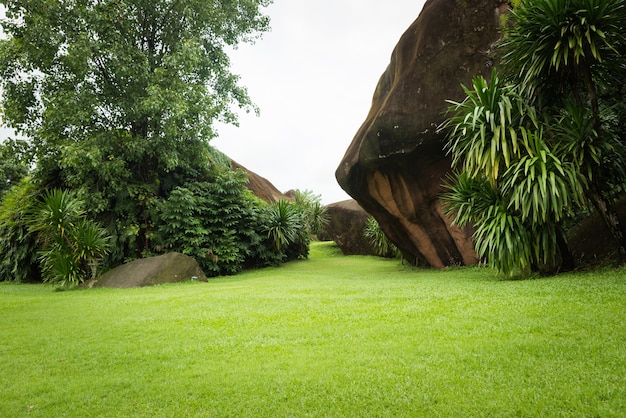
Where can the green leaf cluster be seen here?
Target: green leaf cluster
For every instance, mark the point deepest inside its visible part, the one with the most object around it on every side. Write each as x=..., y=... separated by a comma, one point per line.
x=542, y=142
x=216, y=222
x=14, y=163
x=316, y=217
x=377, y=239
x=119, y=98
x=18, y=245
x=72, y=246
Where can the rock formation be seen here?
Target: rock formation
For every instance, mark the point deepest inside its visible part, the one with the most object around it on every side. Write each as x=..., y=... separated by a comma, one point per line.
x=346, y=225
x=395, y=164
x=167, y=268
x=260, y=186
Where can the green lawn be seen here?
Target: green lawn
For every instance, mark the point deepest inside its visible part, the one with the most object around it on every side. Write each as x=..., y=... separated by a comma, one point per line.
x=331, y=336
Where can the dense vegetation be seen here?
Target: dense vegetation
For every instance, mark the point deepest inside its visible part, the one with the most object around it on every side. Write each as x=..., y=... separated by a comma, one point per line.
x=117, y=102
x=542, y=141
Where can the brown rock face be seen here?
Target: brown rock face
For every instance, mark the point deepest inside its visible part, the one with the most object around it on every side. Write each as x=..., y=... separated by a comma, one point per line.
x=260, y=186
x=395, y=164
x=346, y=228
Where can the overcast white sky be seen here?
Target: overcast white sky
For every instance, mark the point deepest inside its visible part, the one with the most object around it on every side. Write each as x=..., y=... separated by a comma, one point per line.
x=313, y=77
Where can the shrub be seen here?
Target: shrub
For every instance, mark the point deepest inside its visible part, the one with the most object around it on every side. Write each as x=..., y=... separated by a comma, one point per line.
x=216, y=222
x=286, y=229
x=17, y=246
x=381, y=245
x=72, y=245
x=315, y=215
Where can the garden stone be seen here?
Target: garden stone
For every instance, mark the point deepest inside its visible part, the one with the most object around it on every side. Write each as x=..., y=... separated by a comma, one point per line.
x=167, y=268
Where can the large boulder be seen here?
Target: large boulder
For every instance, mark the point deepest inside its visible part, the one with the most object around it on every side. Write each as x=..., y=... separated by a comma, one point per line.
x=347, y=221
x=167, y=268
x=395, y=164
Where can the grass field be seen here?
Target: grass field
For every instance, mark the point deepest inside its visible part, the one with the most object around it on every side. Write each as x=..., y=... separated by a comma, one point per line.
x=331, y=336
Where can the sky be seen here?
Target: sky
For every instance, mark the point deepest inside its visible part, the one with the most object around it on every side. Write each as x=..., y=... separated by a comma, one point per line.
x=313, y=77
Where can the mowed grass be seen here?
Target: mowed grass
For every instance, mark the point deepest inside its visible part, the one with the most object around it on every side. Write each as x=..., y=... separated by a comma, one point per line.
x=331, y=336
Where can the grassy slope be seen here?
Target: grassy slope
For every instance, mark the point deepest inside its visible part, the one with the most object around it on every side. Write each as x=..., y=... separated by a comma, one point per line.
x=330, y=336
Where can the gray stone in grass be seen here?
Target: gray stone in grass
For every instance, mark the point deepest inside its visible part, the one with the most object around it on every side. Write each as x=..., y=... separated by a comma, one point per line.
x=167, y=268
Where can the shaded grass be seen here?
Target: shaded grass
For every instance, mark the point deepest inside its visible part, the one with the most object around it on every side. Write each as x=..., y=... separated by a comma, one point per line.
x=329, y=336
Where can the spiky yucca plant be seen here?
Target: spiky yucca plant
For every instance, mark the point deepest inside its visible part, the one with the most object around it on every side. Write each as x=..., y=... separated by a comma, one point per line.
x=72, y=244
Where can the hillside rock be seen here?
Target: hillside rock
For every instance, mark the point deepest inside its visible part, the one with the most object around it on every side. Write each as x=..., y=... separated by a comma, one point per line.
x=395, y=164
x=260, y=186
x=167, y=268
x=346, y=225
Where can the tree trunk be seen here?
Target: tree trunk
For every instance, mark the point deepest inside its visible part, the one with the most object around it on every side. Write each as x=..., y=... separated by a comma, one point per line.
x=593, y=97
x=610, y=218
x=567, y=259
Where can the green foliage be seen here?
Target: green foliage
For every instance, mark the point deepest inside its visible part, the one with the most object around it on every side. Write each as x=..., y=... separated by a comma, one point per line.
x=285, y=226
x=314, y=212
x=72, y=246
x=541, y=186
x=568, y=56
x=517, y=218
x=501, y=235
x=17, y=245
x=378, y=240
x=119, y=99
x=504, y=240
x=484, y=128
x=545, y=123
x=467, y=197
x=289, y=226
x=14, y=163
x=216, y=222
x=553, y=43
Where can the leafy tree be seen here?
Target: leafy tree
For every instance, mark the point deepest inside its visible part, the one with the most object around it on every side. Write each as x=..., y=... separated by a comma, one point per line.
x=72, y=245
x=119, y=98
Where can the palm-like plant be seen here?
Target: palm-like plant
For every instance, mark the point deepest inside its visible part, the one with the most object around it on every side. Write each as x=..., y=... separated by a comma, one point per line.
x=284, y=224
x=540, y=186
x=381, y=244
x=72, y=244
x=505, y=240
x=561, y=53
x=315, y=213
x=484, y=128
x=55, y=214
x=467, y=198
x=517, y=214
x=556, y=44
